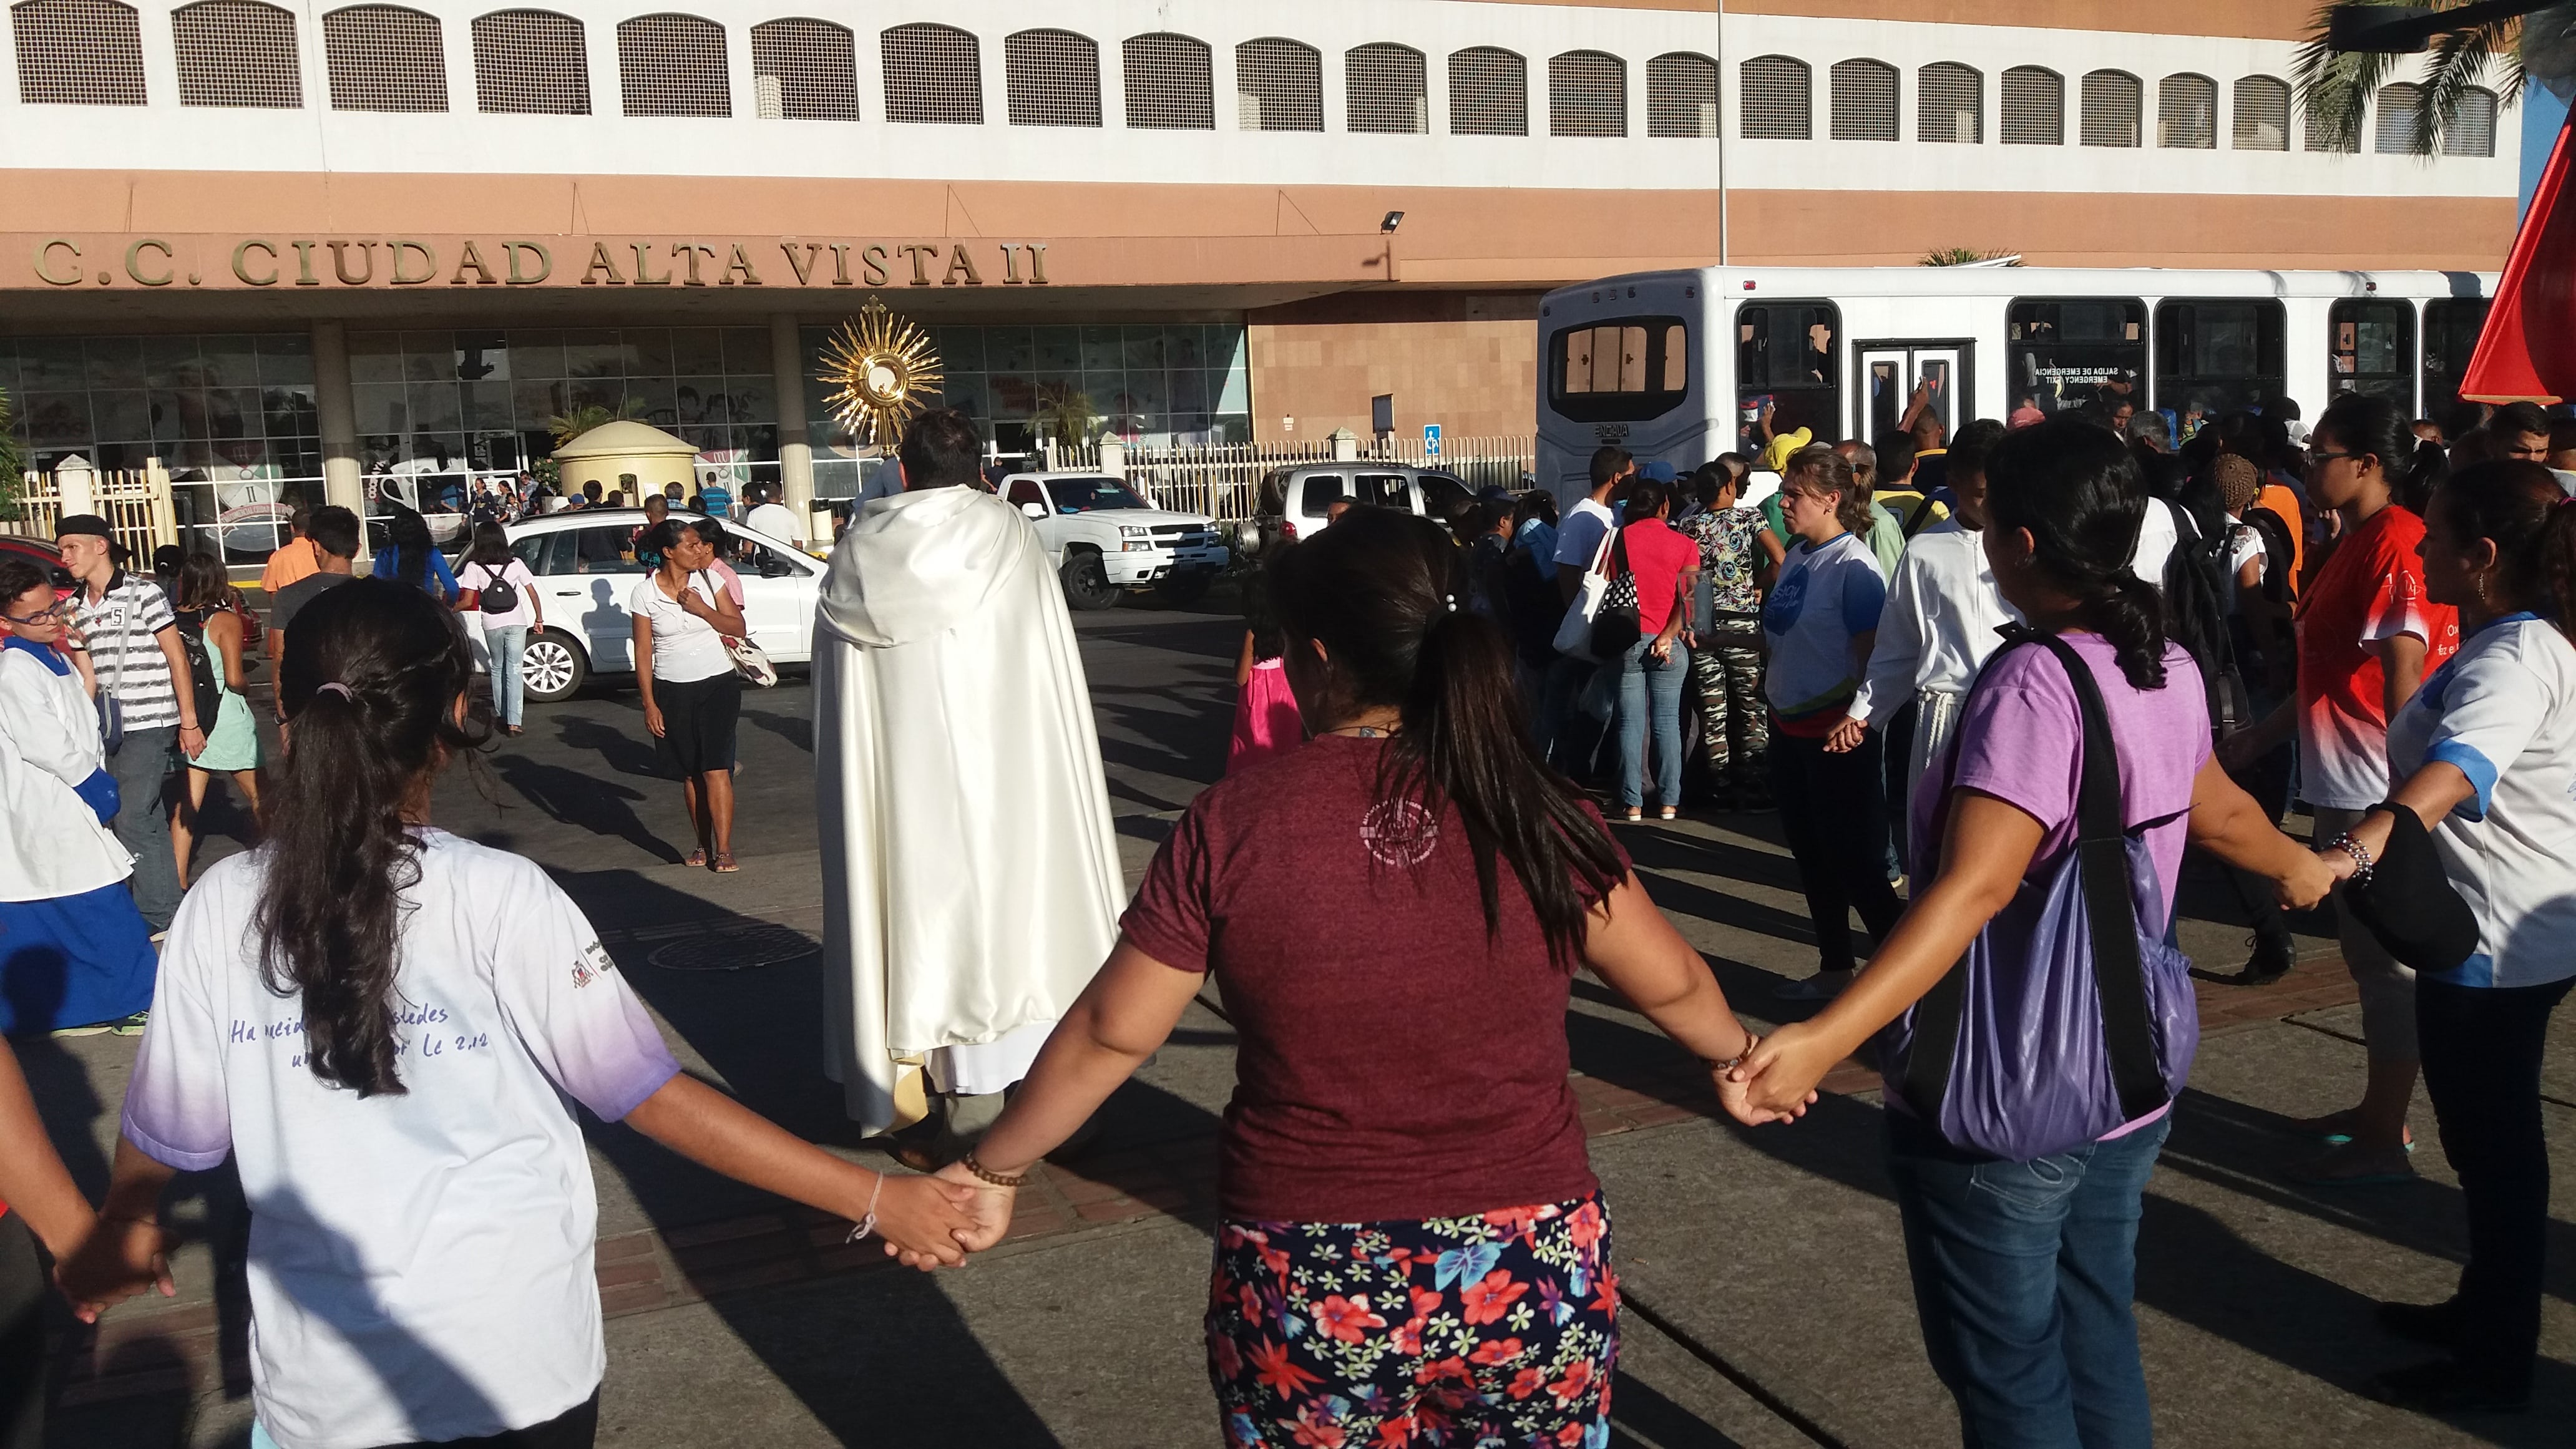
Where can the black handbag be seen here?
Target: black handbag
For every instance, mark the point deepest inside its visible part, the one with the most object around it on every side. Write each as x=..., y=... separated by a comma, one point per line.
x=1616, y=628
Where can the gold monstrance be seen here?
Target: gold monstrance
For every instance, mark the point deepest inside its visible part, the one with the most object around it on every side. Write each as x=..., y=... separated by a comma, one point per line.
x=886, y=370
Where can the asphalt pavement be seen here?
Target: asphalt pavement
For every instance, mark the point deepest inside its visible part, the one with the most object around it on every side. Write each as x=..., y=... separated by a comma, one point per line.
x=1767, y=1302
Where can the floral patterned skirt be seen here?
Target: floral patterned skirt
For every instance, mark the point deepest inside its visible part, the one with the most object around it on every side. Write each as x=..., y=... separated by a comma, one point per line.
x=1501, y=1328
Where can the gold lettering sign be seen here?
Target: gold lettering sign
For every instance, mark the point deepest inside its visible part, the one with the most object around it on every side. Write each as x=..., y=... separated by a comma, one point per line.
x=524, y=261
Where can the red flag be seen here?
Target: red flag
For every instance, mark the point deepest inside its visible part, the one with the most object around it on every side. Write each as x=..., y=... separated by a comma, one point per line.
x=2528, y=348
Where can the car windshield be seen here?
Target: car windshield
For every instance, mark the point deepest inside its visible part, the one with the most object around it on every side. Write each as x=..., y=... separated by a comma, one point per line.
x=1082, y=495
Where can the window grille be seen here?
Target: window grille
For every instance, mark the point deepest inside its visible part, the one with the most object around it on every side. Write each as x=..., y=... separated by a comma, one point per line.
x=1587, y=94
x=2034, y=107
x=2395, y=133
x=934, y=75
x=78, y=53
x=2262, y=114
x=1864, y=100
x=1488, y=93
x=673, y=65
x=2113, y=103
x=530, y=62
x=1171, y=83
x=1052, y=78
x=1950, y=103
x=1387, y=89
x=1779, y=96
x=812, y=65
x=2473, y=125
x=2187, y=112
x=1681, y=96
x=236, y=53
x=385, y=58
x=1278, y=86
x=2321, y=131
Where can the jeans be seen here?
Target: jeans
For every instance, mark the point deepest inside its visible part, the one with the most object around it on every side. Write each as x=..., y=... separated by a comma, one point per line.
x=2482, y=1049
x=142, y=769
x=509, y=687
x=1650, y=693
x=2023, y=1276
x=1832, y=807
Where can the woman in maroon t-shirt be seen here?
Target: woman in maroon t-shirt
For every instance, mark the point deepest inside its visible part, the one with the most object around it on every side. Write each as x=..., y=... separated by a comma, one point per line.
x=1412, y=1235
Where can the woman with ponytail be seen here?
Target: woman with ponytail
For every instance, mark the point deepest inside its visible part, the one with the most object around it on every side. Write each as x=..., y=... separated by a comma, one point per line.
x=384, y=1026
x=1402, y=1167
x=2366, y=635
x=2484, y=755
x=2023, y=1270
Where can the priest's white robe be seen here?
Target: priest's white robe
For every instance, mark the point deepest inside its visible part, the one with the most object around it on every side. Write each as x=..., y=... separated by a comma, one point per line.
x=971, y=883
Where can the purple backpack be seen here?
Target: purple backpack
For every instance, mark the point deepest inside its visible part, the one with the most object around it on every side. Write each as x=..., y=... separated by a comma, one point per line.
x=2068, y=1016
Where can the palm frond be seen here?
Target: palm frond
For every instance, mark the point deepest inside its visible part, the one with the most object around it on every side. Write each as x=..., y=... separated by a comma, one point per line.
x=2460, y=60
x=2335, y=86
x=13, y=460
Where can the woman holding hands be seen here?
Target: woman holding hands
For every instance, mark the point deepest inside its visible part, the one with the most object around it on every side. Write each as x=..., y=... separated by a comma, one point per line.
x=2023, y=1271
x=1403, y=1165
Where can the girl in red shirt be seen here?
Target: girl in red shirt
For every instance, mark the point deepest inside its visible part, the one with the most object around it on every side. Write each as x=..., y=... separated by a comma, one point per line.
x=1412, y=1244
x=1665, y=565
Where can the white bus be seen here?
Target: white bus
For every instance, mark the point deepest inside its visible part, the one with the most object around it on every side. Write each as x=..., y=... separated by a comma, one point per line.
x=1643, y=361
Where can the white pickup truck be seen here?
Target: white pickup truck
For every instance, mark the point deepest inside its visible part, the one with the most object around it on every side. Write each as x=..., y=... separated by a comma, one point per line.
x=1105, y=540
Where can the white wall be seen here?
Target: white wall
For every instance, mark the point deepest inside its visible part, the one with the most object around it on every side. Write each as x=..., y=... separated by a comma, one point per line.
x=163, y=135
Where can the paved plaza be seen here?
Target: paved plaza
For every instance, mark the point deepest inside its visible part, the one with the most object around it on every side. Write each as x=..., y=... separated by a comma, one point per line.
x=1766, y=1293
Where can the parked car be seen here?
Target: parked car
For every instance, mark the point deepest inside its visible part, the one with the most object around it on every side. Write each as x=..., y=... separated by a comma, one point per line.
x=1105, y=540
x=586, y=567
x=1292, y=500
x=42, y=553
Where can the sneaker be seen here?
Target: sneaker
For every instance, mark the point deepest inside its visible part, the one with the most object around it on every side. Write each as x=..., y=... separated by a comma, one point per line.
x=2350, y=1165
x=2447, y=1386
x=95, y=1028
x=2436, y=1324
x=1823, y=986
x=2270, y=962
x=132, y=1025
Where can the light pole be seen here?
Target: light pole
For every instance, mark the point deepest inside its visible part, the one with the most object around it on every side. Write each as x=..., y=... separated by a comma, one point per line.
x=1724, y=89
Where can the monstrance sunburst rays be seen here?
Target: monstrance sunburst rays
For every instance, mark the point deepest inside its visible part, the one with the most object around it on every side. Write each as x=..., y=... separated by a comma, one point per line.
x=885, y=370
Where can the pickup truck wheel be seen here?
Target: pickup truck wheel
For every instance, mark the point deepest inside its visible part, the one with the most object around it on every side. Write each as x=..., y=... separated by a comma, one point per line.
x=1182, y=590
x=1086, y=582
x=551, y=667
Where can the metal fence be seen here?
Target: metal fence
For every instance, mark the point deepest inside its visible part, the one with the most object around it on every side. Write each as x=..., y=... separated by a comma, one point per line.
x=135, y=503
x=1225, y=482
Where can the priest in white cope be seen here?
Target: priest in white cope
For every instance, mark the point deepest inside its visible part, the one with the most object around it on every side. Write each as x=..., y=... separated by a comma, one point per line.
x=971, y=882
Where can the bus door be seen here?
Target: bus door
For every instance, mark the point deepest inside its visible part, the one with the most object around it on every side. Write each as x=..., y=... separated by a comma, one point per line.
x=1890, y=373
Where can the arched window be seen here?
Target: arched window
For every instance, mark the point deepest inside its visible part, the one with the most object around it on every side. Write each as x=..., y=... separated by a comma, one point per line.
x=805, y=70
x=2187, y=112
x=1950, y=103
x=1171, y=83
x=530, y=62
x=1864, y=100
x=1587, y=94
x=934, y=75
x=2473, y=125
x=2262, y=114
x=673, y=65
x=2113, y=103
x=2034, y=107
x=1052, y=78
x=1278, y=86
x=385, y=58
x=1488, y=93
x=1779, y=98
x=78, y=53
x=2395, y=133
x=1681, y=96
x=236, y=53
x=1387, y=89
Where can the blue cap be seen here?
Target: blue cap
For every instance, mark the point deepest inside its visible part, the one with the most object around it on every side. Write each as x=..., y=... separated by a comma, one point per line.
x=1657, y=471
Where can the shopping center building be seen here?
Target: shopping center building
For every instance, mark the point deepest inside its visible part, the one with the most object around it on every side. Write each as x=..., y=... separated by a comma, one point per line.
x=319, y=243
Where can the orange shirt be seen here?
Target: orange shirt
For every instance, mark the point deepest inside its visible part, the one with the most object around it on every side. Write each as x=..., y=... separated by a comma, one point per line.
x=295, y=559
x=2286, y=503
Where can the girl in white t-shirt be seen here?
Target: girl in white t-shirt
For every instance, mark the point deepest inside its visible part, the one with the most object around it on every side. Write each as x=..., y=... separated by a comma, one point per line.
x=692, y=697
x=2485, y=753
x=383, y=1026
x=505, y=631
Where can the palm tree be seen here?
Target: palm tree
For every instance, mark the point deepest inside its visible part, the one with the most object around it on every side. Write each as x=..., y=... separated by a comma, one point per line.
x=13, y=461
x=1966, y=257
x=567, y=426
x=2334, y=85
x=1067, y=413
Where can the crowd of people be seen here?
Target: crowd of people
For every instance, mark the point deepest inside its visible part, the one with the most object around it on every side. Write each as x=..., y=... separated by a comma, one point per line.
x=2082, y=644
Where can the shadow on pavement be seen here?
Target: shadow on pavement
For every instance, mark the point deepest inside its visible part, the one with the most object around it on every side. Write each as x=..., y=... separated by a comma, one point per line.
x=602, y=807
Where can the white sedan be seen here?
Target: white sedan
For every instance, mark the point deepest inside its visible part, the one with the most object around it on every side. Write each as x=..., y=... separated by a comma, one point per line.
x=586, y=568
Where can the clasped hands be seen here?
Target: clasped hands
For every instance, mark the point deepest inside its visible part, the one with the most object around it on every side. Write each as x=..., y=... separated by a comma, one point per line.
x=1776, y=1079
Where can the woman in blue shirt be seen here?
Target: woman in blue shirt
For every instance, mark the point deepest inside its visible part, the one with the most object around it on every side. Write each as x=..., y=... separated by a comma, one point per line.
x=411, y=558
x=2485, y=754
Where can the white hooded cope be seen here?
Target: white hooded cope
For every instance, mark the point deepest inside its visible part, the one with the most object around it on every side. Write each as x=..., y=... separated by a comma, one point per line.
x=970, y=869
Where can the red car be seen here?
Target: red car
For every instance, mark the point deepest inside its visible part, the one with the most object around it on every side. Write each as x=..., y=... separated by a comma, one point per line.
x=40, y=552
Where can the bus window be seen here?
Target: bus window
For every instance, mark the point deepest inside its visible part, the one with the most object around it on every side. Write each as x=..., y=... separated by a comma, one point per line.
x=2451, y=327
x=2370, y=349
x=1786, y=356
x=2216, y=356
x=2072, y=352
x=1626, y=369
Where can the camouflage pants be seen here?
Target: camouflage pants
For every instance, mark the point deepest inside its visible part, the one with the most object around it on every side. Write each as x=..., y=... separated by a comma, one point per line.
x=1735, y=724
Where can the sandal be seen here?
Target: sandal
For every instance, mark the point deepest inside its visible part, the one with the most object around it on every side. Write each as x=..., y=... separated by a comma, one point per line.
x=725, y=863
x=697, y=860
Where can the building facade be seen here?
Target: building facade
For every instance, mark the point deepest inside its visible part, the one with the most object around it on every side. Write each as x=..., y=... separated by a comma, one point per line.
x=339, y=241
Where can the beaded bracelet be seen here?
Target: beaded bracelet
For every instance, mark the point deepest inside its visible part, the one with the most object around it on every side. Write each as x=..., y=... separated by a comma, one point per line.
x=2361, y=861
x=988, y=1175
